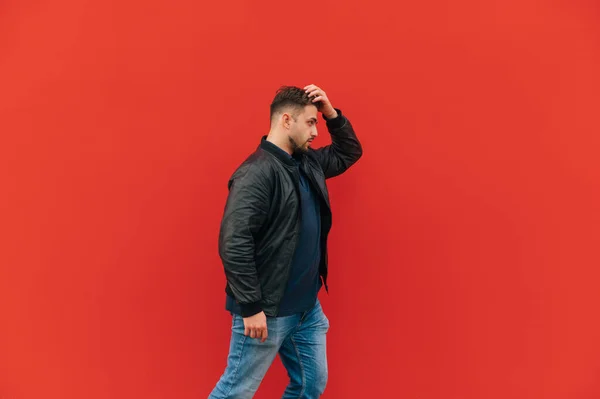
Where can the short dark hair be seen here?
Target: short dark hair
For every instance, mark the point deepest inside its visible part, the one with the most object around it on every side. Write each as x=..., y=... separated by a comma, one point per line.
x=290, y=96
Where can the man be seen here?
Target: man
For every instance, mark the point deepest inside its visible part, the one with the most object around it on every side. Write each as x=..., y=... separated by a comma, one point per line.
x=273, y=244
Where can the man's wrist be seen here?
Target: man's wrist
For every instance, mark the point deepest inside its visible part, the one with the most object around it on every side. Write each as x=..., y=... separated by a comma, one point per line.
x=337, y=121
x=331, y=114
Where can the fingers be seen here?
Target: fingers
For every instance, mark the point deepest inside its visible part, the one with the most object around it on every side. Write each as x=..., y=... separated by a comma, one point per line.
x=261, y=333
x=265, y=334
x=256, y=326
x=318, y=96
x=313, y=90
x=257, y=332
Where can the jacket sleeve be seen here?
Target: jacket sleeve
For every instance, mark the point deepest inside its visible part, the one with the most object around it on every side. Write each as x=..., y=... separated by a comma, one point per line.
x=344, y=150
x=245, y=213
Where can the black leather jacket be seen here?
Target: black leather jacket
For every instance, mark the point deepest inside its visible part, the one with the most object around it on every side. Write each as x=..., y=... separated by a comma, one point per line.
x=259, y=229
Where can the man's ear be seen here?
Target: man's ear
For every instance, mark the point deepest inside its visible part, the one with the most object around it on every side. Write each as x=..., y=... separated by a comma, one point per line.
x=286, y=120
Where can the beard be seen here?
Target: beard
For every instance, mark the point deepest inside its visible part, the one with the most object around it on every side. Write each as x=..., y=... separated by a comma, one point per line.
x=297, y=148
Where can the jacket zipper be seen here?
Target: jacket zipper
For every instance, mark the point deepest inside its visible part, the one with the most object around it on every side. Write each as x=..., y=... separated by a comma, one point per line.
x=321, y=242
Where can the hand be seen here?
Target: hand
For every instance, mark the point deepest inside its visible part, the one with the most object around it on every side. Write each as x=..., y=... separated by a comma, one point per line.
x=318, y=95
x=256, y=326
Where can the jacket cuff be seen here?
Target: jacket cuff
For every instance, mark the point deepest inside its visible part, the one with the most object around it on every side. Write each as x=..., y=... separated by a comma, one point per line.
x=250, y=309
x=336, y=122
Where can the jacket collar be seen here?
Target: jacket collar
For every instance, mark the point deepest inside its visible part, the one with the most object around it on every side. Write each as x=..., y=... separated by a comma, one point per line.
x=289, y=161
x=277, y=152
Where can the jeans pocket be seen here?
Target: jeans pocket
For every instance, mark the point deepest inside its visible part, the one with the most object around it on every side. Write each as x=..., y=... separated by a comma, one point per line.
x=236, y=321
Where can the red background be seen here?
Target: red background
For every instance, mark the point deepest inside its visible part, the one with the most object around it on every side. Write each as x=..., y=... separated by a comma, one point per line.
x=465, y=246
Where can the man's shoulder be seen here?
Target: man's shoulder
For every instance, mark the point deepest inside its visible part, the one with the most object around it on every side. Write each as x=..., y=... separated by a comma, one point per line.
x=258, y=165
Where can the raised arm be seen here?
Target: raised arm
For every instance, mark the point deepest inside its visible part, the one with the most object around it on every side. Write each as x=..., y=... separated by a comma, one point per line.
x=345, y=149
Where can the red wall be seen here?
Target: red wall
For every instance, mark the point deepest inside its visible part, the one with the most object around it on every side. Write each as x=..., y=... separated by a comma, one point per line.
x=465, y=247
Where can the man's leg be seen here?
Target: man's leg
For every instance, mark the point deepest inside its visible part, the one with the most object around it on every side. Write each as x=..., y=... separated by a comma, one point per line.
x=304, y=355
x=248, y=361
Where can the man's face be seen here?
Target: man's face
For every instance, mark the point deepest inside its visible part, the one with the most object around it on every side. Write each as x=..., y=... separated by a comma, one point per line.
x=304, y=129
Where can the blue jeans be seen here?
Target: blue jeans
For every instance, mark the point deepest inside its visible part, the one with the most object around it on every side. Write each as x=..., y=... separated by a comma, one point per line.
x=300, y=341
